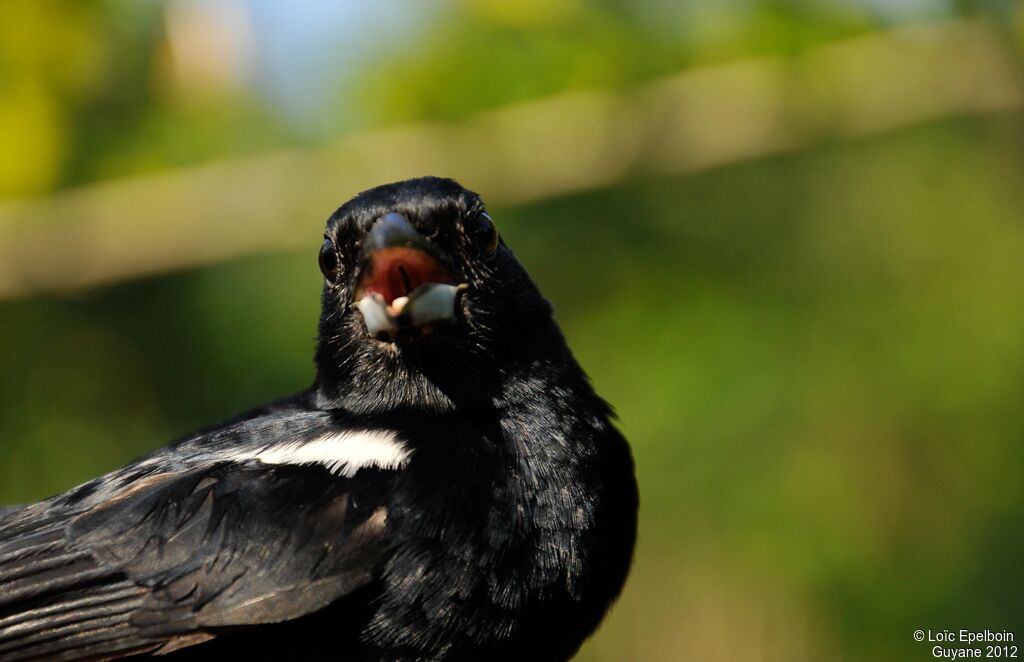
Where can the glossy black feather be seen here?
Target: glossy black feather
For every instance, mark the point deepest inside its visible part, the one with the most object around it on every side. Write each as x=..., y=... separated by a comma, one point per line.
x=205, y=545
x=504, y=533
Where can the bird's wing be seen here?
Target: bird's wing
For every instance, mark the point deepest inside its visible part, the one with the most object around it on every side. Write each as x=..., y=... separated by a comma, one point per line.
x=173, y=558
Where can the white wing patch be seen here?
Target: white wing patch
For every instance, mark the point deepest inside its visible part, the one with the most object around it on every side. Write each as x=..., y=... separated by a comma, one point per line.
x=343, y=453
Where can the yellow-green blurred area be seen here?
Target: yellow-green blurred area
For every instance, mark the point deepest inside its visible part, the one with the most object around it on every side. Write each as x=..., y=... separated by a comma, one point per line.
x=785, y=238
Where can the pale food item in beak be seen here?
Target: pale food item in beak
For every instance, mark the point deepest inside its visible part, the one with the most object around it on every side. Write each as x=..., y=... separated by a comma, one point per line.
x=429, y=304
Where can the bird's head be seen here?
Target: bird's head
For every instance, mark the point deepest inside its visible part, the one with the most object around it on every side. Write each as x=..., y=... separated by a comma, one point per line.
x=423, y=303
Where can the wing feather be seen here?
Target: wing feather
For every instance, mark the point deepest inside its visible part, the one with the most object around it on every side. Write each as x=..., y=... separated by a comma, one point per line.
x=174, y=559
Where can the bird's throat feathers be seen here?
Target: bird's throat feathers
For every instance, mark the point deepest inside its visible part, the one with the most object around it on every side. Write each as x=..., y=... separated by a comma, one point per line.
x=390, y=384
x=445, y=373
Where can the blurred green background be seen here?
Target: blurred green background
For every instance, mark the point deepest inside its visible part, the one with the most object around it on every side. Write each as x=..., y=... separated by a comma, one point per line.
x=785, y=238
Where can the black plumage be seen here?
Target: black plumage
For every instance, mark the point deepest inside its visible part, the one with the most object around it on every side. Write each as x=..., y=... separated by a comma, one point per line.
x=450, y=487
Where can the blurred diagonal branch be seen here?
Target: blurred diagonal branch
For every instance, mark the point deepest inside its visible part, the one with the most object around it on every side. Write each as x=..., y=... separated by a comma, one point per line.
x=696, y=120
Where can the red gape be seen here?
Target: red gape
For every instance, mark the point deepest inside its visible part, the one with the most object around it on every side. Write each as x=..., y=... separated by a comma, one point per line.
x=395, y=272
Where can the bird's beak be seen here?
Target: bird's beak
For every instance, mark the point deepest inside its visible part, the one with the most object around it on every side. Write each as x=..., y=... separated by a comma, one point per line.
x=404, y=281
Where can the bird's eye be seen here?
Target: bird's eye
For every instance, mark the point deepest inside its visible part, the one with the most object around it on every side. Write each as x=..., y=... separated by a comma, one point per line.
x=485, y=234
x=330, y=264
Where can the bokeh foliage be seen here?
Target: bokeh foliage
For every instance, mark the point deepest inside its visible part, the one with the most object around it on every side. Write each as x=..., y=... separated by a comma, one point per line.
x=818, y=357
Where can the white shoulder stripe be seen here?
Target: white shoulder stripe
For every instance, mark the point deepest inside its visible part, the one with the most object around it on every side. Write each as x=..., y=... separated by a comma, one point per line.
x=343, y=453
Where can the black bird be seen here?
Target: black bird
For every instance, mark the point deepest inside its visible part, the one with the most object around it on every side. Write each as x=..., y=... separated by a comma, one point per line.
x=449, y=488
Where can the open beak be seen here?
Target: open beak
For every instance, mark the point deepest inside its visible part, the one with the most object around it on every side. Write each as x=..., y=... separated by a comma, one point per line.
x=403, y=282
